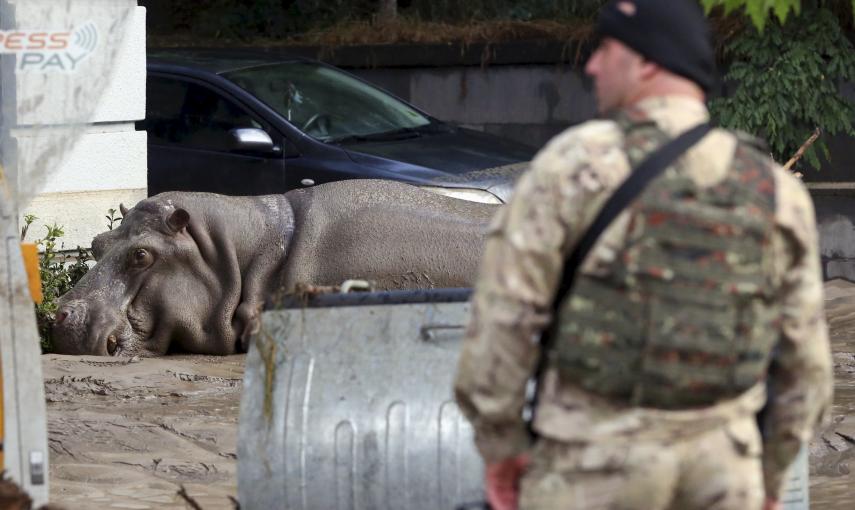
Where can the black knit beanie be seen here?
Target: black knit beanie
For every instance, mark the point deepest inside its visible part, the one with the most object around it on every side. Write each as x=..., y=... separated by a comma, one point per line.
x=671, y=33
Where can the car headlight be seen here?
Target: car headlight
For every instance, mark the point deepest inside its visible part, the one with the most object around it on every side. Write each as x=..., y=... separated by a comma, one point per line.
x=469, y=194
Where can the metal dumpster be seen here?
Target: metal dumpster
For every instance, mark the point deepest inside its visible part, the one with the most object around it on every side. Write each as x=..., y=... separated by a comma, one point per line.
x=347, y=404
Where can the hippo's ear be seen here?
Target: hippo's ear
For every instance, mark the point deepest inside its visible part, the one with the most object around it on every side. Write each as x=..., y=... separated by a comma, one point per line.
x=99, y=246
x=178, y=220
x=123, y=210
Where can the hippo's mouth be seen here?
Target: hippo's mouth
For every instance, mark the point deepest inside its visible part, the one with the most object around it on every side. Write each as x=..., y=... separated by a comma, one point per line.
x=129, y=337
x=113, y=347
x=116, y=342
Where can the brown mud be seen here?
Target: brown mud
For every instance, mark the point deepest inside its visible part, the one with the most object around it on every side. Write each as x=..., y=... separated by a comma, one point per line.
x=127, y=435
x=832, y=453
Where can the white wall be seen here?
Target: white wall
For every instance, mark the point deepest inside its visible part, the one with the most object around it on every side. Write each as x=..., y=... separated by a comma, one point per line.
x=106, y=165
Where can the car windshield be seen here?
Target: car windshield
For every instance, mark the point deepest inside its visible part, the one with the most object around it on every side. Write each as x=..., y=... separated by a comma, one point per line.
x=327, y=104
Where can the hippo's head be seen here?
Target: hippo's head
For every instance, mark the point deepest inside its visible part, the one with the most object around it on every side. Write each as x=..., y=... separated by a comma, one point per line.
x=142, y=294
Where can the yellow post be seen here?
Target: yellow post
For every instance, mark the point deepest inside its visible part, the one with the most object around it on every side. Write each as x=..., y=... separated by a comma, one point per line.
x=31, y=261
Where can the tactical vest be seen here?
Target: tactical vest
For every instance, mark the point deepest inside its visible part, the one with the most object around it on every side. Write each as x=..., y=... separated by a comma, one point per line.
x=685, y=316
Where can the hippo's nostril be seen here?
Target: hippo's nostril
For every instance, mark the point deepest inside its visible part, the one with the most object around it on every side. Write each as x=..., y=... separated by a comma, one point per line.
x=112, y=344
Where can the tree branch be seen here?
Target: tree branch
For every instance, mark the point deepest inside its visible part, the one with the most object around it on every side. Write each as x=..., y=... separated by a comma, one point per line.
x=801, y=152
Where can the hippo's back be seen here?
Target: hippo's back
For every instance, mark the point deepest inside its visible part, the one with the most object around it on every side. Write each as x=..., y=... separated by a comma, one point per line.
x=345, y=197
x=395, y=234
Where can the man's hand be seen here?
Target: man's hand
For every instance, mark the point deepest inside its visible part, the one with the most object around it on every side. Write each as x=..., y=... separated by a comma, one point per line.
x=773, y=504
x=503, y=482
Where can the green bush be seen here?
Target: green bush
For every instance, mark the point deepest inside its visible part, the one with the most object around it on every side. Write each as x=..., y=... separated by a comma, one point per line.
x=787, y=80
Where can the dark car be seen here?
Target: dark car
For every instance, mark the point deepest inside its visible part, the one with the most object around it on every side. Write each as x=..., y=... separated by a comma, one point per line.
x=248, y=123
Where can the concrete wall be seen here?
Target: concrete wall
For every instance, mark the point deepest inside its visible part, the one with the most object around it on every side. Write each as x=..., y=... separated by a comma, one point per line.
x=100, y=159
x=835, y=211
x=527, y=103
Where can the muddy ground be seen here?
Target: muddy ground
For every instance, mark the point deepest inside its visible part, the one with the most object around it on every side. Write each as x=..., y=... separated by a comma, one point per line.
x=128, y=434
x=832, y=453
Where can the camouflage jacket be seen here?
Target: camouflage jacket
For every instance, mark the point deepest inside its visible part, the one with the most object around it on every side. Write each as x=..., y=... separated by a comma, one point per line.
x=527, y=245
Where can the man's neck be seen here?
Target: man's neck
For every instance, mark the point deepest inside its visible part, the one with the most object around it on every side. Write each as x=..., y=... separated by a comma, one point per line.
x=667, y=86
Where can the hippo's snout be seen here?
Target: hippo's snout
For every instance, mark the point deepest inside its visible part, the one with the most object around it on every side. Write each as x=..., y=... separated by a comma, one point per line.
x=70, y=330
x=71, y=315
x=78, y=329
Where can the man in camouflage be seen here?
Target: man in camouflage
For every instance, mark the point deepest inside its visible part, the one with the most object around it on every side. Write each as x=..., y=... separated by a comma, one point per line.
x=699, y=305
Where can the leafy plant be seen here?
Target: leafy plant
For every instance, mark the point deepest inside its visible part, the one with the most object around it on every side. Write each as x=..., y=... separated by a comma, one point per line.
x=787, y=82
x=758, y=10
x=28, y=220
x=112, y=219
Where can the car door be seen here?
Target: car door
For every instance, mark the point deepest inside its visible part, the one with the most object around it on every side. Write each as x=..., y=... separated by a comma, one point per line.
x=191, y=145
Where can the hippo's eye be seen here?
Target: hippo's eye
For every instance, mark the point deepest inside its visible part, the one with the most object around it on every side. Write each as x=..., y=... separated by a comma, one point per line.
x=141, y=257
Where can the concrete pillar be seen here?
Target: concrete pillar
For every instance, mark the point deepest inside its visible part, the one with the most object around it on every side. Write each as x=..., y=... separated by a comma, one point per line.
x=100, y=158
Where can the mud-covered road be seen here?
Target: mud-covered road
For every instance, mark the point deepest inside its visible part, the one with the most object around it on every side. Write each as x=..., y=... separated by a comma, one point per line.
x=127, y=434
x=832, y=454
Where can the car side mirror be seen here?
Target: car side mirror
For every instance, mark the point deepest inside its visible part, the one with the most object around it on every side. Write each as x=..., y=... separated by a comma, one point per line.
x=253, y=140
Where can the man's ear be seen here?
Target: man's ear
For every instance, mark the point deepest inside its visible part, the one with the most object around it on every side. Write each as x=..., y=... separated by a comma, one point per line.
x=177, y=220
x=648, y=70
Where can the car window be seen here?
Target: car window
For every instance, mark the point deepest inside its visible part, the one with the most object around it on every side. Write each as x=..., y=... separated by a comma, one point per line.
x=326, y=103
x=191, y=115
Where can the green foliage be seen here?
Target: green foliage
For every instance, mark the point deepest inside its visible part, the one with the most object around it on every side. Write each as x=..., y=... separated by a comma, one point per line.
x=787, y=82
x=112, y=219
x=59, y=272
x=758, y=10
x=28, y=220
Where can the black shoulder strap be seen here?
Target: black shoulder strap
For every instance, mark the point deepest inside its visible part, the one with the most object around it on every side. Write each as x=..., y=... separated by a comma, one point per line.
x=631, y=188
x=637, y=181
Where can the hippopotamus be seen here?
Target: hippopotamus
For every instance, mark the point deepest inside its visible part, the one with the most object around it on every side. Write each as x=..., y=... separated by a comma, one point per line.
x=190, y=272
